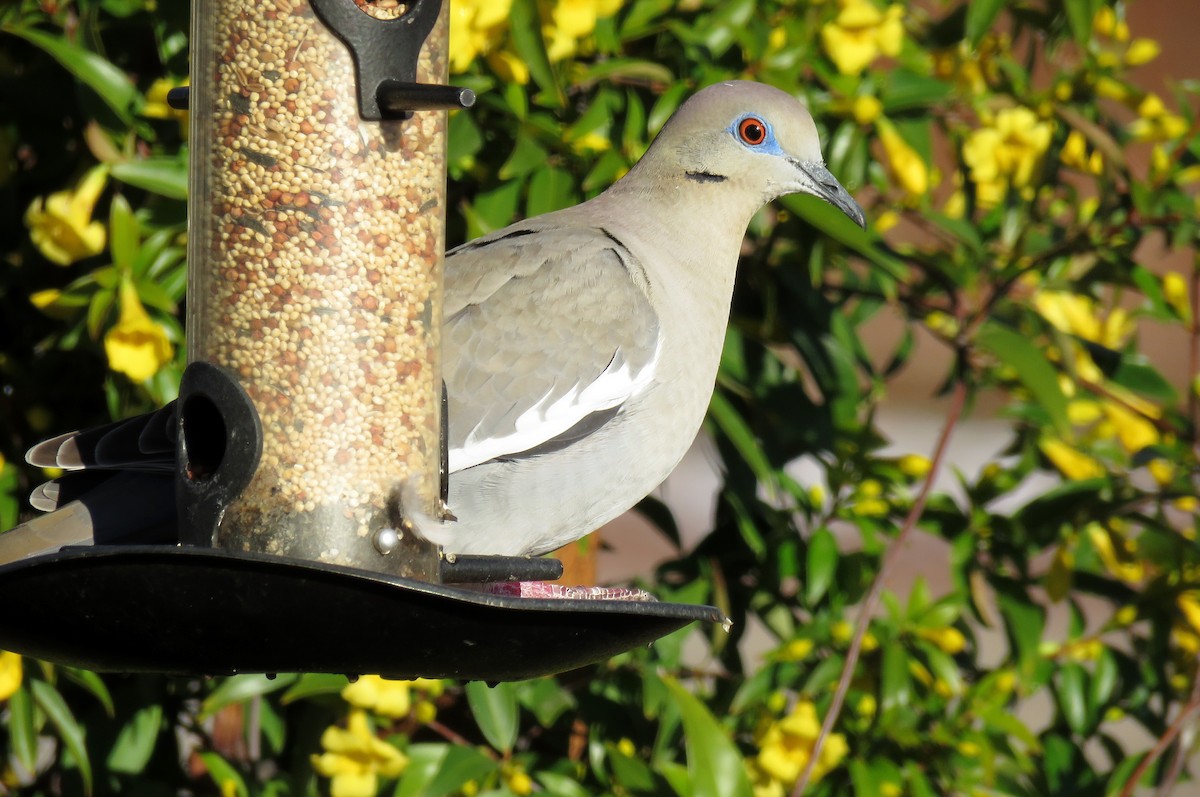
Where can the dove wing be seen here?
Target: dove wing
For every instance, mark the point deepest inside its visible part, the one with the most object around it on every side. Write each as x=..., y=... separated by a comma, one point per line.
x=548, y=331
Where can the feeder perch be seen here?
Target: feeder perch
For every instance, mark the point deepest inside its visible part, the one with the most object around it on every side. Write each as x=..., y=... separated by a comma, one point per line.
x=309, y=424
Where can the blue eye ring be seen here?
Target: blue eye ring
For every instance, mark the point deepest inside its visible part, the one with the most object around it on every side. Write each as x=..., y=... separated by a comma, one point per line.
x=752, y=131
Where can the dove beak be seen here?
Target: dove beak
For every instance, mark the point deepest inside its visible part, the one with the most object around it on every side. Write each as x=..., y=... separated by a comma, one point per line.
x=820, y=182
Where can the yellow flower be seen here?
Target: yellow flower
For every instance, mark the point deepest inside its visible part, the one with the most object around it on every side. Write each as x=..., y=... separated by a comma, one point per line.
x=1119, y=561
x=1189, y=607
x=476, y=27
x=43, y=299
x=571, y=22
x=787, y=745
x=915, y=466
x=392, y=698
x=1112, y=89
x=1132, y=430
x=866, y=109
x=1175, y=291
x=156, y=106
x=1105, y=23
x=137, y=346
x=949, y=639
x=517, y=780
x=1078, y=315
x=861, y=33
x=509, y=67
x=795, y=650
x=1074, y=154
x=1071, y=462
x=355, y=758
x=1006, y=153
x=1156, y=123
x=1142, y=51
x=10, y=674
x=61, y=225
x=389, y=698
x=972, y=68
x=906, y=167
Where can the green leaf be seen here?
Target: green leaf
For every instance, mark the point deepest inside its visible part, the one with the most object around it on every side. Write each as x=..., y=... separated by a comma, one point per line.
x=91, y=682
x=113, y=85
x=731, y=424
x=821, y=565
x=1079, y=16
x=527, y=155
x=980, y=16
x=1069, y=688
x=896, y=686
x=1103, y=682
x=240, y=688
x=314, y=684
x=546, y=699
x=222, y=773
x=136, y=741
x=496, y=712
x=714, y=762
x=550, y=189
x=166, y=176
x=123, y=235
x=1144, y=378
x=634, y=70
x=525, y=30
x=22, y=730
x=435, y=770
x=69, y=730
x=1032, y=368
x=905, y=89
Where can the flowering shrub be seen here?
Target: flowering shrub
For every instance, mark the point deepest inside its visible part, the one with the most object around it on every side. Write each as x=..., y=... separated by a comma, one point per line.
x=1022, y=184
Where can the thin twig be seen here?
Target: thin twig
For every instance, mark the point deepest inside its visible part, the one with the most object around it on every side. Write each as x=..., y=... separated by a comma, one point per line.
x=1161, y=746
x=1179, y=759
x=957, y=402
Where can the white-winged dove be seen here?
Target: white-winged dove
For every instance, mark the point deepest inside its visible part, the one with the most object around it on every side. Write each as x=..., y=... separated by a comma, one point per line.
x=580, y=348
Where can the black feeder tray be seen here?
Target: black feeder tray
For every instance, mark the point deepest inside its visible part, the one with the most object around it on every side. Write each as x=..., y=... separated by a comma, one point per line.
x=192, y=611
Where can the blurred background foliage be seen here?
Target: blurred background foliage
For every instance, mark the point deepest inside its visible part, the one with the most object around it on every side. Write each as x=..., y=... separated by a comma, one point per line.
x=1011, y=166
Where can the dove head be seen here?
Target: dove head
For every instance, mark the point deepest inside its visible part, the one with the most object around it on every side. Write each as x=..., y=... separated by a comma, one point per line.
x=747, y=139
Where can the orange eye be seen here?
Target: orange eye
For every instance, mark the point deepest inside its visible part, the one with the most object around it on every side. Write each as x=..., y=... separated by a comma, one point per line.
x=752, y=130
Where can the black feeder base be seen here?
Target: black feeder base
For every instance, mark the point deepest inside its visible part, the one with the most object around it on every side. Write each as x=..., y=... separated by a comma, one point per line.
x=201, y=611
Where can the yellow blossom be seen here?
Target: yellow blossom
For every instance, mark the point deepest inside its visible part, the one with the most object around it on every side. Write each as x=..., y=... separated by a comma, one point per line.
x=866, y=109
x=626, y=747
x=786, y=746
x=1175, y=291
x=1112, y=89
x=61, y=225
x=1074, y=154
x=1071, y=462
x=10, y=674
x=476, y=28
x=1189, y=607
x=860, y=33
x=1155, y=122
x=389, y=698
x=915, y=466
x=509, y=67
x=156, y=106
x=137, y=346
x=795, y=650
x=949, y=639
x=1133, y=430
x=1007, y=152
x=43, y=299
x=517, y=780
x=890, y=789
x=866, y=706
x=573, y=21
x=355, y=758
x=1141, y=51
x=1105, y=23
x=906, y=167
x=972, y=68
x=1119, y=561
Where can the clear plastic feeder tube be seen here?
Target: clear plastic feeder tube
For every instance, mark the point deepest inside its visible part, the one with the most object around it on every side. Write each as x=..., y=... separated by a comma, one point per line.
x=316, y=241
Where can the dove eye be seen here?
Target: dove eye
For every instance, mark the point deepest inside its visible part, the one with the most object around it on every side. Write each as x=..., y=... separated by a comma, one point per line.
x=752, y=131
